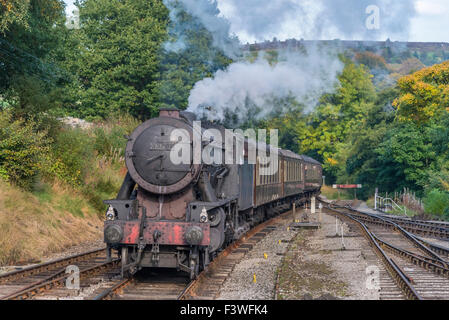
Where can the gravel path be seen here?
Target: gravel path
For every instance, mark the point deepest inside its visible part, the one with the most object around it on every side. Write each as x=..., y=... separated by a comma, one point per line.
x=241, y=285
x=345, y=262
x=315, y=267
x=320, y=265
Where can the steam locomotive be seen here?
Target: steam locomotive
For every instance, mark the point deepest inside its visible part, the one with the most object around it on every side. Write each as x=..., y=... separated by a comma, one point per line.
x=181, y=216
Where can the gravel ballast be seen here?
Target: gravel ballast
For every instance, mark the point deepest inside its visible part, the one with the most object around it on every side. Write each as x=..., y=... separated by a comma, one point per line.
x=241, y=285
x=315, y=266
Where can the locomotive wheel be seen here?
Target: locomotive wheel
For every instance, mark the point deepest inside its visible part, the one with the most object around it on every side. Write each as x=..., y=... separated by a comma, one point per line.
x=215, y=217
x=125, y=261
x=216, y=239
x=194, y=269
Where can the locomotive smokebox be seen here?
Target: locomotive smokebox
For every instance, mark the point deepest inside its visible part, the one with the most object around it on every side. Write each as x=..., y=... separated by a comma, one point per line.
x=148, y=154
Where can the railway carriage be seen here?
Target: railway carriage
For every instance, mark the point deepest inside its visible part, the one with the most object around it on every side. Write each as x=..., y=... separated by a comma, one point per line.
x=182, y=216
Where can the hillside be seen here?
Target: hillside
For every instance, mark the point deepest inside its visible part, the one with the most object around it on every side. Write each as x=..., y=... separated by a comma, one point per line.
x=428, y=53
x=51, y=195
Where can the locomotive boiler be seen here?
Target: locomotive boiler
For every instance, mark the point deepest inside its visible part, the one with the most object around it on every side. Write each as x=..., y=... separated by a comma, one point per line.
x=181, y=215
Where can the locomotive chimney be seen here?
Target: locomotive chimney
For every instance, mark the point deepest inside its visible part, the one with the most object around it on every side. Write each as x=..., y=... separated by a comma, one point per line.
x=169, y=112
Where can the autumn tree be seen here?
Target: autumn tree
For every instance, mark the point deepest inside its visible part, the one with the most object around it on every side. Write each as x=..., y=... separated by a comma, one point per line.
x=424, y=95
x=13, y=11
x=338, y=115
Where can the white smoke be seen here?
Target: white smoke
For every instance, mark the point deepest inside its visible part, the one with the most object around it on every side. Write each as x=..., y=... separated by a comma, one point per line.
x=304, y=77
x=244, y=84
x=207, y=12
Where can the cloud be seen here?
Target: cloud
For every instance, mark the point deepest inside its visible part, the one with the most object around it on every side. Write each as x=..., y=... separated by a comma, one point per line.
x=255, y=20
x=432, y=8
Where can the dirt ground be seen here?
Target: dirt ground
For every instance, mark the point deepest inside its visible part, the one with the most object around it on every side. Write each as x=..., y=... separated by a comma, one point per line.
x=320, y=264
x=262, y=263
x=308, y=264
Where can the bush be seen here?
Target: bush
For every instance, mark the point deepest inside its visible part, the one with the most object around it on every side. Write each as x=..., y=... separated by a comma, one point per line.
x=109, y=137
x=72, y=155
x=436, y=202
x=446, y=214
x=22, y=150
x=89, y=161
x=109, y=143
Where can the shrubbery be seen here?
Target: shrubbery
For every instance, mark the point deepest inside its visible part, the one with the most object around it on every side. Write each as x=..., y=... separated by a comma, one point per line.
x=71, y=155
x=437, y=203
x=88, y=161
x=109, y=136
x=23, y=150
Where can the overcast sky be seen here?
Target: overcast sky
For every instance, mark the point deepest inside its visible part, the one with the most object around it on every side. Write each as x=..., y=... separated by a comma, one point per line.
x=430, y=23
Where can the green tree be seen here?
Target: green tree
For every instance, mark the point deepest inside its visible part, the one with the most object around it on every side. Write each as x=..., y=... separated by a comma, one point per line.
x=27, y=44
x=121, y=63
x=115, y=56
x=13, y=11
x=23, y=150
x=182, y=68
x=338, y=115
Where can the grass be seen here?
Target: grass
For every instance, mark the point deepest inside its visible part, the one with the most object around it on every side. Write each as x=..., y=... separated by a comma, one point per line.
x=410, y=213
x=333, y=194
x=62, y=204
x=299, y=277
x=36, y=225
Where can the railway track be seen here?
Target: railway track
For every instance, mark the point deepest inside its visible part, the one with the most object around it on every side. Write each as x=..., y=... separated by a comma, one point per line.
x=169, y=284
x=48, y=279
x=417, y=269
x=432, y=229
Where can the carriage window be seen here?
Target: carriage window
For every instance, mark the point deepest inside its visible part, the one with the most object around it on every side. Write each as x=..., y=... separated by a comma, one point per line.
x=275, y=177
x=292, y=178
x=289, y=171
x=285, y=170
x=293, y=171
x=269, y=174
x=296, y=171
x=277, y=172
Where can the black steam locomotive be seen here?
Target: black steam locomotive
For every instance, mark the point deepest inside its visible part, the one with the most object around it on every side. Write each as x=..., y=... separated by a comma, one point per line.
x=180, y=216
